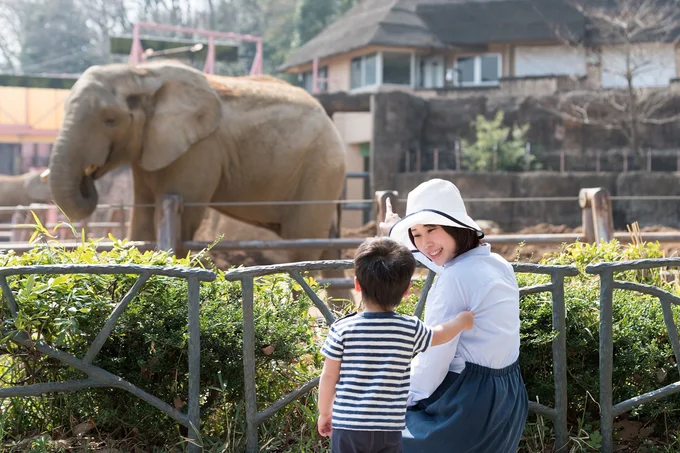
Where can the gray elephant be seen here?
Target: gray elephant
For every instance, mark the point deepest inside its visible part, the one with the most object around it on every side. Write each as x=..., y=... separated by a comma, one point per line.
x=206, y=138
x=24, y=189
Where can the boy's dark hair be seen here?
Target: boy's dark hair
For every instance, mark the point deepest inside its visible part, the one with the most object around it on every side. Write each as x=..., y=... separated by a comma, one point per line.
x=465, y=238
x=384, y=269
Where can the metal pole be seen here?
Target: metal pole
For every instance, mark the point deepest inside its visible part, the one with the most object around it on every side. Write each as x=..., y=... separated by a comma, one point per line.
x=527, y=156
x=194, y=411
x=625, y=161
x=457, y=154
x=597, y=161
x=315, y=76
x=606, y=362
x=249, y=365
x=561, y=161
x=649, y=160
x=435, y=157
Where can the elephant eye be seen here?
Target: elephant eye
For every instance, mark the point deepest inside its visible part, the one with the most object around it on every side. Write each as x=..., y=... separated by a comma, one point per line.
x=110, y=121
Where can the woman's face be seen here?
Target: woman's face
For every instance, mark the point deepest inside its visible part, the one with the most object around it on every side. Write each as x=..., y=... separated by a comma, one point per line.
x=435, y=243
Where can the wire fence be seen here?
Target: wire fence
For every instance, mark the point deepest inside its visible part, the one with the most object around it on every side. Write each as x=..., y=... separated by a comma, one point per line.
x=454, y=157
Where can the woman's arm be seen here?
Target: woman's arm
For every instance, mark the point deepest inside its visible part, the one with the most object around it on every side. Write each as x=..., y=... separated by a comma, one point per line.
x=428, y=369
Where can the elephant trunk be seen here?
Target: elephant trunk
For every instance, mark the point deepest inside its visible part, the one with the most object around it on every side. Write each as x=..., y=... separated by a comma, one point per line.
x=72, y=190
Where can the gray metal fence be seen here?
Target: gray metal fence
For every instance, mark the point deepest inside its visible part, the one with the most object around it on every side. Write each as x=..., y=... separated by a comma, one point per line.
x=557, y=274
x=96, y=376
x=609, y=410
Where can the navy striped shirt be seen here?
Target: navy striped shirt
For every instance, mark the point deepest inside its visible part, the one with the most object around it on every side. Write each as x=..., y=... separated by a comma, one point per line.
x=375, y=349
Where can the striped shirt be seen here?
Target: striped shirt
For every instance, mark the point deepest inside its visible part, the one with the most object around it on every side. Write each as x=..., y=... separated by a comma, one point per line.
x=375, y=349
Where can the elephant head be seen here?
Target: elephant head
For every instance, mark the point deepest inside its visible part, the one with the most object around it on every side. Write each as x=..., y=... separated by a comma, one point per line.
x=146, y=115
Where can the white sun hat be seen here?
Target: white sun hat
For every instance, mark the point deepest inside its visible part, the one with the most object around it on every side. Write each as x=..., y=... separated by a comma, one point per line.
x=434, y=202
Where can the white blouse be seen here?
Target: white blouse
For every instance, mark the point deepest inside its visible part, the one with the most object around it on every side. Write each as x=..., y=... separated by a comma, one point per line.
x=485, y=283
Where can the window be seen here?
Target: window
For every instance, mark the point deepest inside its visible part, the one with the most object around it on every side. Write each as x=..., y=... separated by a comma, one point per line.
x=396, y=68
x=431, y=72
x=364, y=71
x=306, y=80
x=478, y=70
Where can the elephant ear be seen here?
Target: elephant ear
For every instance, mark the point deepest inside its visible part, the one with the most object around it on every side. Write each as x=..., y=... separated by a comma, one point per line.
x=185, y=110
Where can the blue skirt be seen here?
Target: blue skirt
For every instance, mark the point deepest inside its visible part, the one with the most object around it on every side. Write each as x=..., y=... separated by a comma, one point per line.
x=480, y=410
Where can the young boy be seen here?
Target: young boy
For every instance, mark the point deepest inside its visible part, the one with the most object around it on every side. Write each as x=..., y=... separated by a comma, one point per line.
x=365, y=379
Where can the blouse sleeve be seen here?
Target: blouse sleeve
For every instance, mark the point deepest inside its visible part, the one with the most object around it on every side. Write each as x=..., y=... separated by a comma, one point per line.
x=429, y=368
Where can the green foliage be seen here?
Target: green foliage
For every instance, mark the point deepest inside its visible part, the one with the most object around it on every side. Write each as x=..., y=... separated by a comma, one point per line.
x=314, y=15
x=492, y=138
x=643, y=355
x=148, y=346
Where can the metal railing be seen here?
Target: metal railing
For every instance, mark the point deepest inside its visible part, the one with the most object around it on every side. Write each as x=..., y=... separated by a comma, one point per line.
x=247, y=276
x=96, y=376
x=609, y=410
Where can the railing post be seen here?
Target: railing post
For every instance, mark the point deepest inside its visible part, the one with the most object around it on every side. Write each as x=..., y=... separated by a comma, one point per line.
x=169, y=223
x=606, y=362
x=252, y=422
x=194, y=410
x=381, y=197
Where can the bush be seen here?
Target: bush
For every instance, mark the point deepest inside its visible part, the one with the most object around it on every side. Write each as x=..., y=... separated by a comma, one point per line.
x=643, y=355
x=148, y=346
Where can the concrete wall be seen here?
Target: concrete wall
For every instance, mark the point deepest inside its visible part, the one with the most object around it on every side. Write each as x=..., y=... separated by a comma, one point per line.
x=512, y=216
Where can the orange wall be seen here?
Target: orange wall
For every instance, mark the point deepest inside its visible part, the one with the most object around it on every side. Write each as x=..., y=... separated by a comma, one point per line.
x=40, y=108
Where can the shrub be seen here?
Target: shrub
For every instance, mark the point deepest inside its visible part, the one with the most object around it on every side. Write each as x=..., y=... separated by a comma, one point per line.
x=148, y=346
x=643, y=355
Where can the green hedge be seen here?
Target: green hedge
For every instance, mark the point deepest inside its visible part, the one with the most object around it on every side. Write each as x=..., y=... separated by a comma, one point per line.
x=148, y=346
x=643, y=355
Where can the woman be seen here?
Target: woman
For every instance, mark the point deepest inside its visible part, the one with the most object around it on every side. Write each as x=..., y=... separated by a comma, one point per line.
x=467, y=395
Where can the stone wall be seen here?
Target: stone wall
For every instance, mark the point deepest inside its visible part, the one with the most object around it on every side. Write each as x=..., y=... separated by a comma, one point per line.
x=512, y=216
x=409, y=122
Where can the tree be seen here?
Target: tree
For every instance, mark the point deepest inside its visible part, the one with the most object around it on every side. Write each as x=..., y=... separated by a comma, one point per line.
x=54, y=37
x=632, y=30
x=313, y=16
x=496, y=147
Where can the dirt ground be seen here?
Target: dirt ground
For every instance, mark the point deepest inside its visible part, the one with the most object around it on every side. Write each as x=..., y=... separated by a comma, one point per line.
x=215, y=224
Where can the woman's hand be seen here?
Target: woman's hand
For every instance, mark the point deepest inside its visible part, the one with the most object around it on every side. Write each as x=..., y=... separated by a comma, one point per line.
x=390, y=218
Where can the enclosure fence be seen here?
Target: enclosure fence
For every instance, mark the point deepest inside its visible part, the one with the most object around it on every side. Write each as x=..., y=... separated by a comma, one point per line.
x=97, y=377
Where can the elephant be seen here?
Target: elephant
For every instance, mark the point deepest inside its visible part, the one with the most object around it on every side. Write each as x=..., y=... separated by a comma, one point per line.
x=24, y=189
x=206, y=138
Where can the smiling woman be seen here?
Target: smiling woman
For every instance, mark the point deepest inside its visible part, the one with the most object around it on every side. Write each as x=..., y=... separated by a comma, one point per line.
x=468, y=392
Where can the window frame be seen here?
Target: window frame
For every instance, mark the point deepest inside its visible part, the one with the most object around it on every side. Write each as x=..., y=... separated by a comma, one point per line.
x=477, y=82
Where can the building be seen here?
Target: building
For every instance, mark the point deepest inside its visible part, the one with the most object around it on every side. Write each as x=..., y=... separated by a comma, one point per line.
x=458, y=48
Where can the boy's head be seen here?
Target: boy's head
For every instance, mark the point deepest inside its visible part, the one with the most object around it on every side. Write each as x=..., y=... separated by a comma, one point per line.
x=383, y=269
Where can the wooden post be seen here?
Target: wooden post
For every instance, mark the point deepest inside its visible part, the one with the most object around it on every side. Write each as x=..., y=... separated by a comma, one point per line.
x=17, y=219
x=649, y=160
x=597, y=216
x=169, y=214
x=586, y=216
x=561, y=161
x=381, y=197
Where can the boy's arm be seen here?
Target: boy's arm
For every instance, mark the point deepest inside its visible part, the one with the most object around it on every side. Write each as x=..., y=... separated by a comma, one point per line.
x=329, y=377
x=447, y=331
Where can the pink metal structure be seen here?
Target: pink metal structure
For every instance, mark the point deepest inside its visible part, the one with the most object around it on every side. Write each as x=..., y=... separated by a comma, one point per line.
x=315, y=77
x=136, y=52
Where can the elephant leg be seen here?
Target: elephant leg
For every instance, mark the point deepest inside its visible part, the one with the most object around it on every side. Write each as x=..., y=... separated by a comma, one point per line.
x=142, y=218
